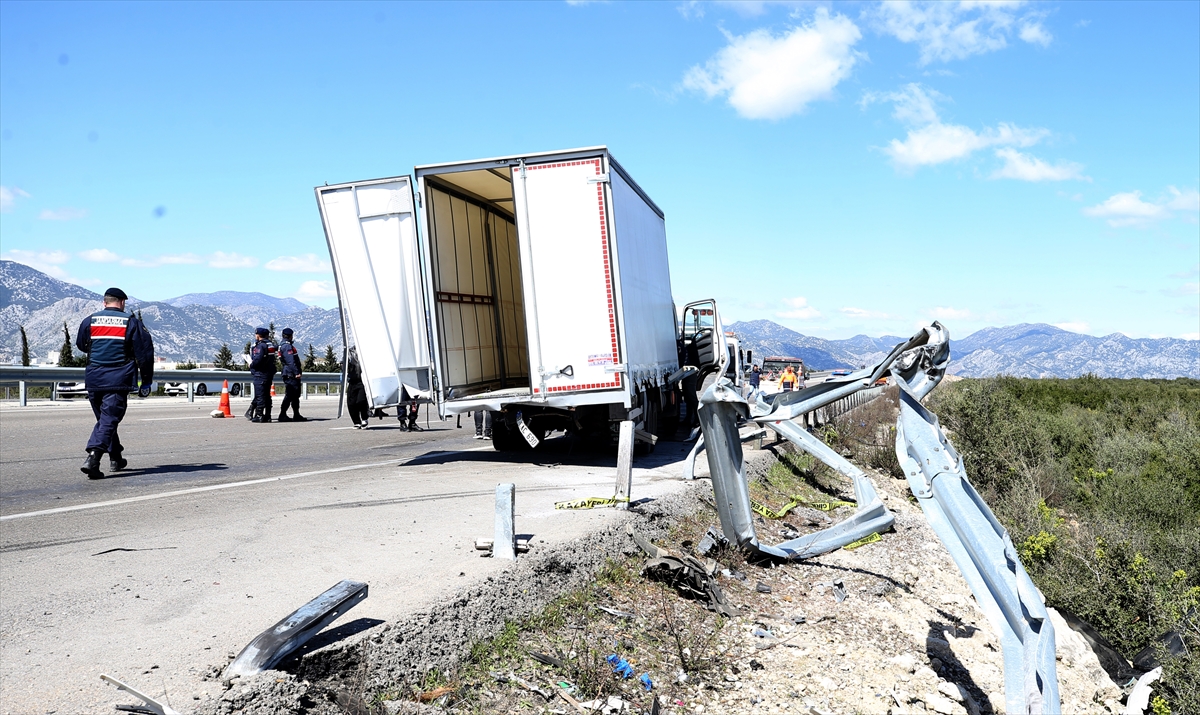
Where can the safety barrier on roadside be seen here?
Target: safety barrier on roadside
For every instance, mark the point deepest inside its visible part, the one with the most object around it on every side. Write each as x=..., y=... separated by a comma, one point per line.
x=977, y=542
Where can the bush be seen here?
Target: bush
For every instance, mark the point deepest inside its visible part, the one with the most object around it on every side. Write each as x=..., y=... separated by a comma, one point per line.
x=1098, y=483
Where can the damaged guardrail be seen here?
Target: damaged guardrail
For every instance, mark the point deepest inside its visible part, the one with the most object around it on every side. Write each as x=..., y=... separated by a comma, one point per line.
x=978, y=543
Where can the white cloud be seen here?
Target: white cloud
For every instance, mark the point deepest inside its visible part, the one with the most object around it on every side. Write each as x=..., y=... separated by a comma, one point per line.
x=64, y=214
x=1188, y=200
x=1128, y=209
x=863, y=314
x=945, y=313
x=1187, y=289
x=48, y=262
x=170, y=259
x=307, y=263
x=1190, y=336
x=931, y=141
x=1035, y=34
x=99, y=255
x=220, y=259
x=768, y=77
x=315, y=290
x=1027, y=167
x=800, y=309
x=947, y=30
x=1075, y=327
x=9, y=196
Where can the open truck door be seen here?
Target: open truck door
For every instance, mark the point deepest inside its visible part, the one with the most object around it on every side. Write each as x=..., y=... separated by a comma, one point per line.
x=563, y=223
x=377, y=264
x=703, y=338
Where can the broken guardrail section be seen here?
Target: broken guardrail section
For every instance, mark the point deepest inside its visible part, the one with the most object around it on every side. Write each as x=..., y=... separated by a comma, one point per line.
x=275, y=644
x=978, y=543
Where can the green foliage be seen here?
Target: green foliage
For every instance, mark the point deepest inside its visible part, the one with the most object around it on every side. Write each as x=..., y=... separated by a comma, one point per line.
x=224, y=359
x=310, y=360
x=66, y=354
x=330, y=362
x=189, y=365
x=1098, y=482
x=24, y=347
x=1158, y=706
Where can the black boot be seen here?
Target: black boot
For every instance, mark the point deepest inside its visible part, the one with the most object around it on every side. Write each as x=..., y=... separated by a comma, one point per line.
x=116, y=462
x=250, y=412
x=257, y=415
x=266, y=415
x=91, y=465
x=284, y=418
x=299, y=418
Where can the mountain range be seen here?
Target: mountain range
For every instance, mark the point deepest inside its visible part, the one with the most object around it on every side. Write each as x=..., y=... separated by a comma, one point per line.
x=196, y=325
x=1026, y=350
x=192, y=326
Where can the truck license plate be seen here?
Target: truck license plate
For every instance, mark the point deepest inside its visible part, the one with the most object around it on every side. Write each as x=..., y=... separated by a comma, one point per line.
x=528, y=434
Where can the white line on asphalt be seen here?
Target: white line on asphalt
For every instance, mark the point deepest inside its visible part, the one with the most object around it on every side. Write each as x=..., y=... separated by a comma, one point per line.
x=164, y=419
x=196, y=490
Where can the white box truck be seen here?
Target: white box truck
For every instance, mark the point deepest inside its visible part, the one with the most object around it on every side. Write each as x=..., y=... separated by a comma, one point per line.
x=534, y=286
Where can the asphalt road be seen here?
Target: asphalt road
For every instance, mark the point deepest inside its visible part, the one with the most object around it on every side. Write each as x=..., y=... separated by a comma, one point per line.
x=219, y=528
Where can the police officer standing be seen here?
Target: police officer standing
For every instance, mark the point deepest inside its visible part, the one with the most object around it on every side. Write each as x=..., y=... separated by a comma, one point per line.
x=262, y=370
x=292, y=370
x=117, y=345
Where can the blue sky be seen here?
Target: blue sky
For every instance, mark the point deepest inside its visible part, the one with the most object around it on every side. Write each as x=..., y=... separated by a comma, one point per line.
x=838, y=168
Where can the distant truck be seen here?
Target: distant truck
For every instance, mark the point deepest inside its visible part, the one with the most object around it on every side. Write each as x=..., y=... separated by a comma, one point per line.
x=533, y=286
x=774, y=366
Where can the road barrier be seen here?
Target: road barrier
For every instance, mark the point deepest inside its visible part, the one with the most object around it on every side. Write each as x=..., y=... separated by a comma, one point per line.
x=23, y=377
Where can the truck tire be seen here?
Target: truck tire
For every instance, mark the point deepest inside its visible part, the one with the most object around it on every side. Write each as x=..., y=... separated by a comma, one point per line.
x=507, y=438
x=668, y=418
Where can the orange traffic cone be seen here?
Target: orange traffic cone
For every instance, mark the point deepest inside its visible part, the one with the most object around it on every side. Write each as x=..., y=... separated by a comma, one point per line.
x=272, y=389
x=224, y=405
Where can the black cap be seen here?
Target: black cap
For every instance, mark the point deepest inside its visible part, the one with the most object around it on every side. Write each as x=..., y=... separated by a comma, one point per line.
x=287, y=332
x=262, y=332
x=116, y=293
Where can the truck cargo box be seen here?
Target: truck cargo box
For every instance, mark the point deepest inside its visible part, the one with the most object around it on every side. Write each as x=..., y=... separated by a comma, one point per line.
x=538, y=279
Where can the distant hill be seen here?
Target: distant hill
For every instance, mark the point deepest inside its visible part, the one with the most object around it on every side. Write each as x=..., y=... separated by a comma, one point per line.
x=1026, y=350
x=192, y=326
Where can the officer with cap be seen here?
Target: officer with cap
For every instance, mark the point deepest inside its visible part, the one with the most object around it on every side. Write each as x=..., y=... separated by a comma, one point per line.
x=262, y=370
x=292, y=370
x=118, y=346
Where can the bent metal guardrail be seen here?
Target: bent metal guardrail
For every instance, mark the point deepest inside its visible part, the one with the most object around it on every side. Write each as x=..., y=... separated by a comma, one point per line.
x=52, y=375
x=977, y=542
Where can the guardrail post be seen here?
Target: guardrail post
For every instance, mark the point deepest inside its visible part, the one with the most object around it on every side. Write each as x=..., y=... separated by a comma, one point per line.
x=191, y=392
x=624, y=464
x=304, y=392
x=24, y=393
x=251, y=390
x=53, y=391
x=504, y=544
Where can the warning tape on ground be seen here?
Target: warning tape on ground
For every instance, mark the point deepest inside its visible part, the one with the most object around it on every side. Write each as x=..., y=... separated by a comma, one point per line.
x=769, y=513
x=869, y=539
x=590, y=502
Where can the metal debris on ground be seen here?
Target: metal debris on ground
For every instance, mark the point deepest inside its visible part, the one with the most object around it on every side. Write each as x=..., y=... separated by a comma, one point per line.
x=485, y=545
x=150, y=706
x=545, y=659
x=691, y=579
x=712, y=539
x=275, y=644
x=839, y=590
x=518, y=680
x=762, y=587
x=615, y=612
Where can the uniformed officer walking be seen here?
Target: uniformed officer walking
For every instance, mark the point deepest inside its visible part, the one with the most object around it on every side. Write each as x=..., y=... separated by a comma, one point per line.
x=262, y=370
x=292, y=370
x=118, y=345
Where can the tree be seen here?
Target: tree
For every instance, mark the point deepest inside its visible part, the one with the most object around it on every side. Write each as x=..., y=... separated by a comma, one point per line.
x=271, y=332
x=25, y=347
x=330, y=363
x=310, y=360
x=66, y=354
x=224, y=359
x=189, y=365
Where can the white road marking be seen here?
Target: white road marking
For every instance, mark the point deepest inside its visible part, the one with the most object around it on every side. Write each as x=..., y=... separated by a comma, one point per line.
x=164, y=419
x=196, y=490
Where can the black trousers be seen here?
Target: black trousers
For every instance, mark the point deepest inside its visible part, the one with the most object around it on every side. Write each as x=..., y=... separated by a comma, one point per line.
x=109, y=408
x=262, y=393
x=291, y=397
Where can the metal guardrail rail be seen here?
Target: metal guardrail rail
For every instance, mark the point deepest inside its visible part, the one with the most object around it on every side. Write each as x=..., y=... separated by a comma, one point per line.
x=977, y=542
x=25, y=376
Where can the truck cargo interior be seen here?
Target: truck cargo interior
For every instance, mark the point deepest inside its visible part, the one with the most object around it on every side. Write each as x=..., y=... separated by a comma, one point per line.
x=476, y=272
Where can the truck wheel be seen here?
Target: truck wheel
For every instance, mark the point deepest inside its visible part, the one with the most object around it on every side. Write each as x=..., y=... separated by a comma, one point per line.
x=506, y=437
x=668, y=417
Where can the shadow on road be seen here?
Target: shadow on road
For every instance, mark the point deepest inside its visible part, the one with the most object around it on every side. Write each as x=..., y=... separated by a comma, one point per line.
x=556, y=452
x=167, y=469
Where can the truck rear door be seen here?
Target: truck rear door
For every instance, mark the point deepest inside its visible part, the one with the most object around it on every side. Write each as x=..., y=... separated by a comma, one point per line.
x=372, y=235
x=563, y=225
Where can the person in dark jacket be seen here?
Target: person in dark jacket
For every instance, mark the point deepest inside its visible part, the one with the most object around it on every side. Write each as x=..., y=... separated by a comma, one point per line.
x=755, y=377
x=356, y=393
x=292, y=370
x=118, y=347
x=262, y=369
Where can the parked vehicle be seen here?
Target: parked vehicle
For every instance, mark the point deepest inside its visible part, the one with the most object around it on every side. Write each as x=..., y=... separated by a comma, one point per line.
x=204, y=388
x=774, y=365
x=533, y=286
x=70, y=389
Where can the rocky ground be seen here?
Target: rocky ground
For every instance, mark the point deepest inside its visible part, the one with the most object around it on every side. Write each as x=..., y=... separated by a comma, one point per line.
x=906, y=638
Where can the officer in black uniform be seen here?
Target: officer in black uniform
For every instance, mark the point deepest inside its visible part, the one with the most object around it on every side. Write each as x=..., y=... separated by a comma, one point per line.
x=117, y=345
x=262, y=370
x=292, y=370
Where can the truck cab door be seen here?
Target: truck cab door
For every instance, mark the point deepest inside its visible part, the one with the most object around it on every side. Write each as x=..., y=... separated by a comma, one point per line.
x=380, y=272
x=703, y=338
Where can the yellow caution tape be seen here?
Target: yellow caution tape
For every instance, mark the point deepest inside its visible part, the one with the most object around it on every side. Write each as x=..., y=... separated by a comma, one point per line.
x=822, y=505
x=863, y=542
x=589, y=503
x=769, y=513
